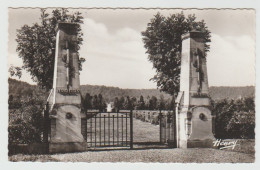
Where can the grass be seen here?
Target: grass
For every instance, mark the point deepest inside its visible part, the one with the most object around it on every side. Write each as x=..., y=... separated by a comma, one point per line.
x=109, y=130
x=243, y=146
x=106, y=130
x=145, y=132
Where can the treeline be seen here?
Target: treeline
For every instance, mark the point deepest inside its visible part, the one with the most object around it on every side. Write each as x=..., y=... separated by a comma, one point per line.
x=21, y=90
x=110, y=93
x=150, y=103
x=223, y=92
x=128, y=103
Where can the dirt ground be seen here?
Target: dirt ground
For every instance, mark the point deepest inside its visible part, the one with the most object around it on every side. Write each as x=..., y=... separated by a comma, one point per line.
x=145, y=132
x=198, y=155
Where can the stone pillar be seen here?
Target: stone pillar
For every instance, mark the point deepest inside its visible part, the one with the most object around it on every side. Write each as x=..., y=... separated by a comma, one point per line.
x=65, y=99
x=193, y=114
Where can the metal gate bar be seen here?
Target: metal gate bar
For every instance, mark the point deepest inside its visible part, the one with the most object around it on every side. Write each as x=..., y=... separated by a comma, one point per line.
x=167, y=122
x=99, y=132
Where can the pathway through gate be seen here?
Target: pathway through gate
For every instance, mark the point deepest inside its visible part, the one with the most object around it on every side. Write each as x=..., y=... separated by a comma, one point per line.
x=122, y=129
x=154, y=128
x=105, y=129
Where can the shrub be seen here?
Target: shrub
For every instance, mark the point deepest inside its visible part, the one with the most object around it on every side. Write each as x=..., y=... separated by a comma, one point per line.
x=26, y=122
x=234, y=118
x=242, y=125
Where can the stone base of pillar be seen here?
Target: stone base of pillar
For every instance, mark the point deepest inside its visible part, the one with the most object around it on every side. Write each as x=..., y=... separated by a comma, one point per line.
x=67, y=147
x=207, y=143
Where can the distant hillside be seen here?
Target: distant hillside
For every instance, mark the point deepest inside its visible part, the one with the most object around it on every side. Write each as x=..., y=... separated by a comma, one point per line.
x=20, y=88
x=222, y=92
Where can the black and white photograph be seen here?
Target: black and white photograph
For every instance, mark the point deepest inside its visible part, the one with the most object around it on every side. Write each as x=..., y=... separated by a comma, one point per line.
x=132, y=85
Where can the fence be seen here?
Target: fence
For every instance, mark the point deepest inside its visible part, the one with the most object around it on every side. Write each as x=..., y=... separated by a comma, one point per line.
x=168, y=128
x=105, y=129
x=165, y=119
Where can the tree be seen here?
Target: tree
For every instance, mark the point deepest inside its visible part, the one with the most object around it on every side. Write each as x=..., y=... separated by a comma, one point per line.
x=101, y=102
x=36, y=45
x=141, y=103
x=88, y=101
x=15, y=71
x=95, y=103
x=161, y=103
x=116, y=104
x=234, y=118
x=242, y=125
x=162, y=40
x=153, y=103
x=25, y=121
x=134, y=102
x=121, y=103
x=128, y=103
x=172, y=104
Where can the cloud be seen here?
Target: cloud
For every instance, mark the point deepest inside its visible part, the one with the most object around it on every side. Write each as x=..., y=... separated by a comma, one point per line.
x=114, y=59
x=231, y=61
x=119, y=59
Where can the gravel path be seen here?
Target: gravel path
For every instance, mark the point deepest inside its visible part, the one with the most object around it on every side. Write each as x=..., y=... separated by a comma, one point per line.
x=158, y=155
x=197, y=155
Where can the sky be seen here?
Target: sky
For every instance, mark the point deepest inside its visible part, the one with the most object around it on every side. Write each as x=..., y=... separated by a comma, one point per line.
x=115, y=54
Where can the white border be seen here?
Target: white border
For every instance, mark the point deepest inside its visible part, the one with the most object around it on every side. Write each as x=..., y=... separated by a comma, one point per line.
x=4, y=4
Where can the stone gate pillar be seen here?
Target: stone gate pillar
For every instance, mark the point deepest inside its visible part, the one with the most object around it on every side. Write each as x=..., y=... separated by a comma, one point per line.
x=193, y=114
x=65, y=99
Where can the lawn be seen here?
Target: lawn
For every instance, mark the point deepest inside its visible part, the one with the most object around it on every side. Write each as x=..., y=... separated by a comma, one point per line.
x=111, y=131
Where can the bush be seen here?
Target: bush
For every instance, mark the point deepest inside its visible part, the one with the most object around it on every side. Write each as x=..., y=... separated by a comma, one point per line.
x=26, y=122
x=21, y=132
x=234, y=118
x=242, y=125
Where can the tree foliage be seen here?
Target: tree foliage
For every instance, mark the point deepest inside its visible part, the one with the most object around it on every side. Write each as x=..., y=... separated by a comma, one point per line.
x=25, y=119
x=151, y=103
x=128, y=104
x=141, y=103
x=234, y=118
x=93, y=102
x=36, y=44
x=15, y=71
x=162, y=40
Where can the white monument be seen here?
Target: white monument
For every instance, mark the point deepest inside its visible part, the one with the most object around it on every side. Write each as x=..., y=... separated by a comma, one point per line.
x=65, y=99
x=193, y=114
x=109, y=107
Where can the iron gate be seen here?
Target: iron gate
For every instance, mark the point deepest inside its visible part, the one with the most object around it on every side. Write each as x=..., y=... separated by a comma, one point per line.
x=105, y=129
x=167, y=121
